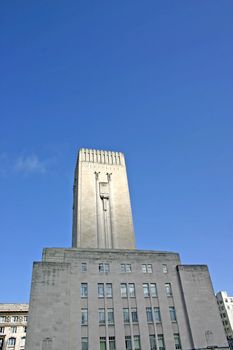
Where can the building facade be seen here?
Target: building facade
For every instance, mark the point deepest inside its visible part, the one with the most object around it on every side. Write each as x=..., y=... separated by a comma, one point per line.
x=105, y=294
x=13, y=326
x=225, y=305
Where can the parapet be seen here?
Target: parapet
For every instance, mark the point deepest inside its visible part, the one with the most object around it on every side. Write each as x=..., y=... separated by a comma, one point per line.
x=101, y=157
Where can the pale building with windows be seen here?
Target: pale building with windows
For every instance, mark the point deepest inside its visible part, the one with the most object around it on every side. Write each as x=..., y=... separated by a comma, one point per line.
x=103, y=293
x=225, y=305
x=13, y=326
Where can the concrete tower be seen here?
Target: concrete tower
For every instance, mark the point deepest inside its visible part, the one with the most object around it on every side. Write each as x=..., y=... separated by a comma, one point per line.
x=103, y=294
x=102, y=216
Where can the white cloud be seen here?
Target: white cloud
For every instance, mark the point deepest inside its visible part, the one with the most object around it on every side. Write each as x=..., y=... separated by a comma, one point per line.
x=30, y=164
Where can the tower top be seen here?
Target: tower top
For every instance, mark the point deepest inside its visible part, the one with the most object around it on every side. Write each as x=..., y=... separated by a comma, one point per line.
x=101, y=157
x=102, y=216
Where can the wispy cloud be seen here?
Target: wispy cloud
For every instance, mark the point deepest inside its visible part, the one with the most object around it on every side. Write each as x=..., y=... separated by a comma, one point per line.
x=24, y=164
x=30, y=164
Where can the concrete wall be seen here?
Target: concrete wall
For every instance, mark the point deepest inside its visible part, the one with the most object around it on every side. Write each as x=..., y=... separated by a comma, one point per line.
x=55, y=305
x=201, y=306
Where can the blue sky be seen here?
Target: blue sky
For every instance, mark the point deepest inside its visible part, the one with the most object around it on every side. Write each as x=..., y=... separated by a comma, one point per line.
x=152, y=79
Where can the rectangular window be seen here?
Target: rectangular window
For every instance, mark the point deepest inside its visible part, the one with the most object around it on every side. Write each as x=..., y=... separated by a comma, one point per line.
x=153, y=290
x=22, y=341
x=110, y=313
x=25, y=329
x=123, y=290
x=83, y=267
x=147, y=268
x=125, y=267
x=134, y=315
x=108, y=290
x=14, y=319
x=146, y=289
x=126, y=315
x=102, y=343
x=84, y=343
x=144, y=269
x=157, y=315
x=128, y=343
x=2, y=319
x=2, y=329
x=13, y=329
x=137, y=344
x=131, y=290
x=112, y=343
x=84, y=290
x=172, y=312
x=100, y=290
x=161, y=342
x=168, y=289
x=177, y=341
x=101, y=316
x=149, y=314
x=25, y=318
x=128, y=268
x=84, y=316
x=165, y=270
x=152, y=342
x=104, y=267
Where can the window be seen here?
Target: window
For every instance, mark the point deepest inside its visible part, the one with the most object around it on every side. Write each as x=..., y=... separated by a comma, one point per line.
x=83, y=267
x=11, y=341
x=126, y=315
x=105, y=290
x=128, y=343
x=14, y=319
x=25, y=318
x=2, y=329
x=126, y=268
x=177, y=341
x=137, y=345
x=153, y=290
x=102, y=343
x=146, y=290
x=112, y=344
x=47, y=344
x=161, y=342
x=172, y=312
x=157, y=315
x=100, y=290
x=104, y=267
x=109, y=290
x=134, y=315
x=25, y=329
x=84, y=343
x=3, y=319
x=131, y=290
x=149, y=268
x=168, y=289
x=123, y=290
x=101, y=316
x=84, y=290
x=146, y=268
x=13, y=329
x=84, y=316
x=165, y=270
x=110, y=313
x=149, y=314
x=152, y=342
x=22, y=341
